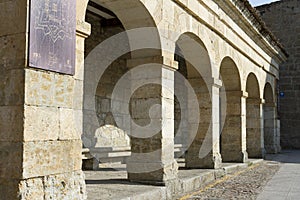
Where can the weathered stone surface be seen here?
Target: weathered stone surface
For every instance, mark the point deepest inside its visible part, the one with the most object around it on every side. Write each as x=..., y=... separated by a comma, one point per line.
x=11, y=123
x=51, y=157
x=49, y=89
x=11, y=87
x=9, y=188
x=70, y=124
x=44, y=120
x=32, y=189
x=14, y=17
x=11, y=154
x=65, y=186
x=61, y=186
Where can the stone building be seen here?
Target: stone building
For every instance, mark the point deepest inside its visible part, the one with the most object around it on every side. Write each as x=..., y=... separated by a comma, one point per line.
x=197, y=75
x=287, y=29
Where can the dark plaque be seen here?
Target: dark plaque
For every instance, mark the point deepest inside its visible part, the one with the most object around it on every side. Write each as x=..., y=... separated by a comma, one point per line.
x=53, y=35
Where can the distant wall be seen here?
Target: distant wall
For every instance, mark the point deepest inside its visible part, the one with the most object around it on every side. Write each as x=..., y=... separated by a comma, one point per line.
x=283, y=18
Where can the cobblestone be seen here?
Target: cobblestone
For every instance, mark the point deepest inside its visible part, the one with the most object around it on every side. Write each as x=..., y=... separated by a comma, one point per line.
x=246, y=184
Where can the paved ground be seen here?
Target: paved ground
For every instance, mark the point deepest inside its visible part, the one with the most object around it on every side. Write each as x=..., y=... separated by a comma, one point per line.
x=109, y=184
x=286, y=183
x=277, y=178
x=113, y=185
x=246, y=184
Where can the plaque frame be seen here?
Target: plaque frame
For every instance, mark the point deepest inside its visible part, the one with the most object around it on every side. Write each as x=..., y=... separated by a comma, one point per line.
x=52, y=35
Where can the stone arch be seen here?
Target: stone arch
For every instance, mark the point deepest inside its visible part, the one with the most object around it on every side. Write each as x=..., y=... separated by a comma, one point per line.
x=136, y=20
x=269, y=112
x=192, y=49
x=232, y=139
x=252, y=86
x=254, y=134
x=268, y=93
x=114, y=53
x=194, y=70
x=229, y=69
x=139, y=12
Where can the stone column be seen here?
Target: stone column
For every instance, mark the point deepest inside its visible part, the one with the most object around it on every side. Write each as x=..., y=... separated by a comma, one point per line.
x=270, y=131
x=233, y=136
x=278, y=145
x=262, y=139
x=152, y=127
x=255, y=145
x=40, y=119
x=204, y=151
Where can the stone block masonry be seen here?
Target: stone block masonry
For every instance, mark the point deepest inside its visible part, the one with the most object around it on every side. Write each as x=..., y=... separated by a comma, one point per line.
x=283, y=18
x=40, y=119
x=43, y=114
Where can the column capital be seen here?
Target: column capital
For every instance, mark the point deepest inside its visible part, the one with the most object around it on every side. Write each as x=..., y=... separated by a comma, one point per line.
x=239, y=93
x=216, y=82
x=244, y=94
x=83, y=29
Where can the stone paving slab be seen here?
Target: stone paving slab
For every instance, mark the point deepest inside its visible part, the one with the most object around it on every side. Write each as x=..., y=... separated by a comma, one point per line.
x=286, y=183
x=244, y=184
x=109, y=184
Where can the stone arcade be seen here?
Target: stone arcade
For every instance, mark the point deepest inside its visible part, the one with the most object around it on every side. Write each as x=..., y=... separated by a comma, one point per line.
x=219, y=48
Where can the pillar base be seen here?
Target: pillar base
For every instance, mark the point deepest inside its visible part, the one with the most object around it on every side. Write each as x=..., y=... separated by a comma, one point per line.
x=256, y=154
x=211, y=161
x=60, y=186
x=272, y=149
x=161, y=176
x=239, y=157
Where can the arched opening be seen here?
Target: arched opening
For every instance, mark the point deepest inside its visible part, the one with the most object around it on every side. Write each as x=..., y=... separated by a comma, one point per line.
x=100, y=129
x=232, y=139
x=254, y=138
x=269, y=109
x=112, y=104
x=193, y=105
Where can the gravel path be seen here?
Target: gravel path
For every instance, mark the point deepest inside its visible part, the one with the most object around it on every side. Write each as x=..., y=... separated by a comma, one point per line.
x=246, y=184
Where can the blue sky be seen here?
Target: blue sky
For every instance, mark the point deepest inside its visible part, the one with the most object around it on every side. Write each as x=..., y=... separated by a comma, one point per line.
x=260, y=2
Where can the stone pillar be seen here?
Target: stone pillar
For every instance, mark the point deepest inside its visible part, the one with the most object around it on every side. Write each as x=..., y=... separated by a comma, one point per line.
x=204, y=152
x=278, y=131
x=152, y=129
x=12, y=76
x=233, y=136
x=255, y=145
x=270, y=130
x=262, y=139
x=40, y=119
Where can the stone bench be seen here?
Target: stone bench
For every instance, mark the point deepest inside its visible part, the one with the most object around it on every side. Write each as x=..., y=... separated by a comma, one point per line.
x=94, y=156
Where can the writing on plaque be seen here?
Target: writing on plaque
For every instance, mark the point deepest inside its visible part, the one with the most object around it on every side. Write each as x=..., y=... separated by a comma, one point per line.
x=52, y=35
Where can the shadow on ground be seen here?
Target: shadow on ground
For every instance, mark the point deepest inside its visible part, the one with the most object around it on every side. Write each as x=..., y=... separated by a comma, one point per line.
x=286, y=156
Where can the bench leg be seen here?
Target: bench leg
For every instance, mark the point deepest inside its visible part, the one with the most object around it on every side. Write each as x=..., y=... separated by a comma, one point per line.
x=90, y=164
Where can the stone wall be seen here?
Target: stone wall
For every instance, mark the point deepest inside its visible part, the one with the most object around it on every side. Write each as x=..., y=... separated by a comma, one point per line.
x=40, y=119
x=283, y=18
